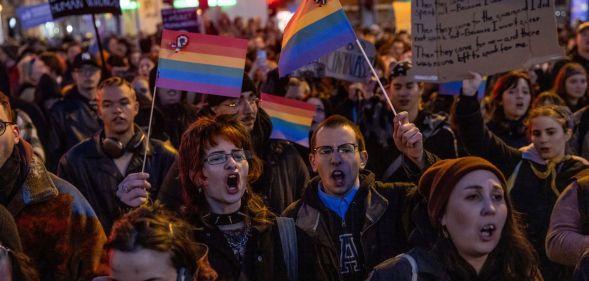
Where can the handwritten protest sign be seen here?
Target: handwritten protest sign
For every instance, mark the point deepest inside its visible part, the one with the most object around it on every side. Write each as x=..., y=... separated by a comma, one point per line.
x=452, y=37
x=62, y=8
x=180, y=19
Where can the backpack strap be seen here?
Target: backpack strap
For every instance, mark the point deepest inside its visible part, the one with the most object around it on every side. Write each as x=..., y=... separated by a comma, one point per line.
x=288, y=239
x=413, y=264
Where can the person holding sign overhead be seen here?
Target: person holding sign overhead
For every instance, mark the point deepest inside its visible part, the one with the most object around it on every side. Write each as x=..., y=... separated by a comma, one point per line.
x=537, y=173
x=107, y=167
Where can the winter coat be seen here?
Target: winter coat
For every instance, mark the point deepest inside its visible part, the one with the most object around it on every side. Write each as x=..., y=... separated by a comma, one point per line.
x=582, y=269
x=512, y=133
x=531, y=195
x=383, y=234
x=71, y=120
x=263, y=259
x=97, y=176
x=58, y=228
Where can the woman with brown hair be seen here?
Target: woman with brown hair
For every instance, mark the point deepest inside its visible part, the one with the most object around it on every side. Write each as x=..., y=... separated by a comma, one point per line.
x=216, y=168
x=475, y=233
x=571, y=86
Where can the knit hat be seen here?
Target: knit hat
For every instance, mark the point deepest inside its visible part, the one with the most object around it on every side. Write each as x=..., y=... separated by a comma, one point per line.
x=246, y=86
x=582, y=27
x=438, y=181
x=8, y=232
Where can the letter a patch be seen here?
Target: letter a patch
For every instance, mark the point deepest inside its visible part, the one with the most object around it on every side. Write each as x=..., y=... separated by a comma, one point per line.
x=348, y=255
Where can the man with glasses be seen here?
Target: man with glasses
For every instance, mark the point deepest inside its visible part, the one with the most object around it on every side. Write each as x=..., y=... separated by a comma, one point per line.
x=73, y=118
x=58, y=228
x=107, y=167
x=284, y=171
x=356, y=220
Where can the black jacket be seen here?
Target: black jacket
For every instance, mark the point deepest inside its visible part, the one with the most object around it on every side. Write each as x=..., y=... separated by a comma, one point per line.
x=383, y=234
x=582, y=269
x=263, y=260
x=71, y=120
x=531, y=195
x=97, y=177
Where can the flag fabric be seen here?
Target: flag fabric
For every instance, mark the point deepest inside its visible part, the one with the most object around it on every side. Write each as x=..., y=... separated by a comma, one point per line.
x=291, y=119
x=201, y=63
x=312, y=32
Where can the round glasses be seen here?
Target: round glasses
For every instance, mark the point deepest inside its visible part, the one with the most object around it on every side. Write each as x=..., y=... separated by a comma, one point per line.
x=3, y=125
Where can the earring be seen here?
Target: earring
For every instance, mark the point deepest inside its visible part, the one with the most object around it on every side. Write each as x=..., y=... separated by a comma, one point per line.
x=445, y=233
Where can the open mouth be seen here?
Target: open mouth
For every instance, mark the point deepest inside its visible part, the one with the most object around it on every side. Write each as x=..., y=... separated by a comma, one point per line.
x=339, y=177
x=519, y=105
x=487, y=231
x=233, y=183
x=544, y=150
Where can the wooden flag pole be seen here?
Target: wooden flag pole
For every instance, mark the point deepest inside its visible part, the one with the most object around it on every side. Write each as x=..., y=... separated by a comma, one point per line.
x=376, y=76
x=149, y=129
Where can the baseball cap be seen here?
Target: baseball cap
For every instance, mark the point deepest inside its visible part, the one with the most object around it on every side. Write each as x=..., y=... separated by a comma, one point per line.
x=85, y=59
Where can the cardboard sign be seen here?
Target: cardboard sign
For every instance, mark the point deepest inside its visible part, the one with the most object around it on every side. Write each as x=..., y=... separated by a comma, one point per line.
x=453, y=37
x=180, y=19
x=31, y=16
x=62, y=8
x=348, y=63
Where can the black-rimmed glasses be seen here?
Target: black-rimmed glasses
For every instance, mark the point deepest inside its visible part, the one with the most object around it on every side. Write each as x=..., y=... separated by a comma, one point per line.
x=4, y=125
x=217, y=158
x=344, y=149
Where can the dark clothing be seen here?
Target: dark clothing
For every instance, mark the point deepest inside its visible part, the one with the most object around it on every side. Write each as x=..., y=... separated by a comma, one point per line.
x=511, y=132
x=58, y=228
x=582, y=269
x=263, y=259
x=386, y=161
x=97, y=177
x=372, y=232
x=284, y=174
x=532, y=194
x=71, y=121
x=177, y=118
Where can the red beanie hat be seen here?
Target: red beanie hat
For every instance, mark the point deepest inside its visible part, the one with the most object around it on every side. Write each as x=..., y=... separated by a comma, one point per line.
x=438, y=181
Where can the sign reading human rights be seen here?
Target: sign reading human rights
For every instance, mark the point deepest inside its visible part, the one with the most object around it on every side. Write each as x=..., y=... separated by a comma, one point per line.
x=62, y=8
x=451, y=38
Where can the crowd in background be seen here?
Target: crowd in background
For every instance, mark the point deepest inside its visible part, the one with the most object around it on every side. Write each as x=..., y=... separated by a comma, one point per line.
x=469, y=188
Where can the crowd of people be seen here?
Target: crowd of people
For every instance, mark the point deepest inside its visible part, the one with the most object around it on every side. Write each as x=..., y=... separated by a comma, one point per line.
x=480, y=186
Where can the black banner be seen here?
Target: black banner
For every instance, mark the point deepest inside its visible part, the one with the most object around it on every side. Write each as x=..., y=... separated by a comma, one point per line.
x=62, y=8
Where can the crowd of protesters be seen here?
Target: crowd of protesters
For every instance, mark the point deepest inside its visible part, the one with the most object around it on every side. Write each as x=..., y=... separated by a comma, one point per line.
x=479, y=186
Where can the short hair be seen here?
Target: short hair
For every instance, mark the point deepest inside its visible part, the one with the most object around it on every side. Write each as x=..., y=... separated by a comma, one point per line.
x=336, y=121
x=5, y=103
x=115, y=81
x=155, y=228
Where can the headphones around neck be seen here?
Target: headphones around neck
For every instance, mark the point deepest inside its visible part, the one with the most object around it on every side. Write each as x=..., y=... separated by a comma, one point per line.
x=113, y=148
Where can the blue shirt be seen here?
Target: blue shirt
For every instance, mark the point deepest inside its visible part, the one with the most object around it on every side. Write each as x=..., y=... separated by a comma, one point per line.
x=336, y=203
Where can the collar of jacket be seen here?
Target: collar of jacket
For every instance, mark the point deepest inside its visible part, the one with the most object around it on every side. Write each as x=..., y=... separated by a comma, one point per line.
x=530, y=153
x=98, y=153
x=309, y=214
x=38, y=185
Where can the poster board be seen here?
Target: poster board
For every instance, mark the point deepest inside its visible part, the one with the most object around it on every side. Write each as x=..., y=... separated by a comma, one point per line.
x=451, y=38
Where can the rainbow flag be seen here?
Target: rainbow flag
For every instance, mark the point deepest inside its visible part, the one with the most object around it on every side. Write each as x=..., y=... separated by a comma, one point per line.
x=312, y=32
x=201, y=63
x=291, y=119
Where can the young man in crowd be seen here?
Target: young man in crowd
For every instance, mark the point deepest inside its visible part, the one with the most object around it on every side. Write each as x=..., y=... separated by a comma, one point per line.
x=355, y=220
x=58, y=228
x=73, y=118
x=107, y=167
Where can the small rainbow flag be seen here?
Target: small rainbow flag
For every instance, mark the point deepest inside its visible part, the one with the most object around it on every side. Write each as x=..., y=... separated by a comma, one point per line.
x=312, y=32
x=291, y=119
x=201, y=63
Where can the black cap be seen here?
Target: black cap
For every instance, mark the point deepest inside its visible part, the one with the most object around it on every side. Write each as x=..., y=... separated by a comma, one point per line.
x=246, y=86
x=85, y=59
x=399, y=69
x=9, y=236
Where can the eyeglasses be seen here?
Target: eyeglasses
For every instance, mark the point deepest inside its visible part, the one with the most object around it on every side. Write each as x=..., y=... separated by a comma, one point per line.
x=4, y=125
x=217, y=158
x=344, y=149
x=239, y=102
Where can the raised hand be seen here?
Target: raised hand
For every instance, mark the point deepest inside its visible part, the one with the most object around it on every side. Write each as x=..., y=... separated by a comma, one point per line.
x=471, y=86
x=408, y=138
x=133, y=190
